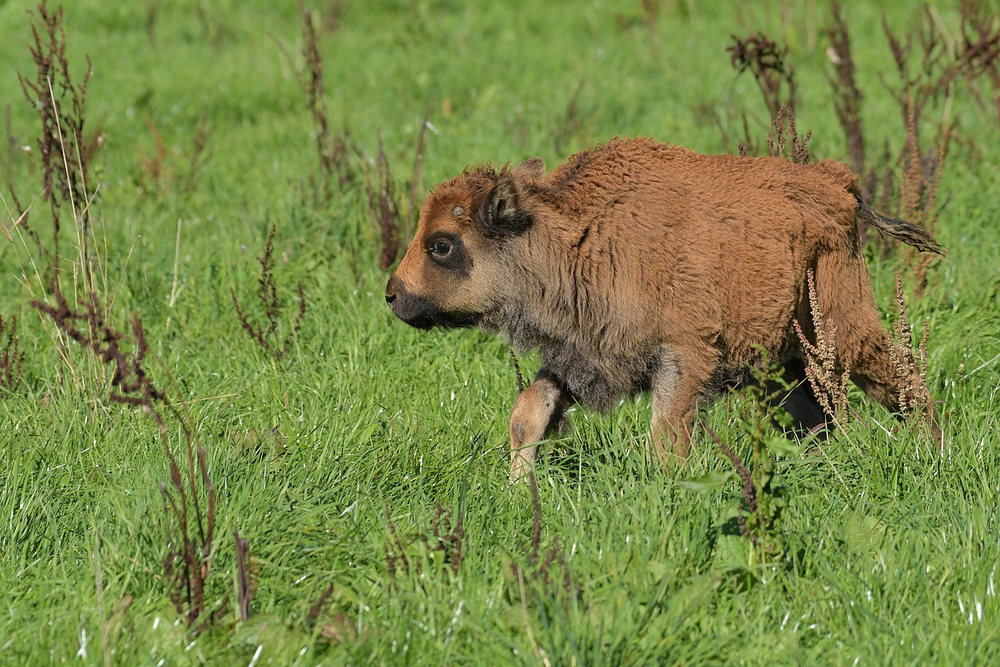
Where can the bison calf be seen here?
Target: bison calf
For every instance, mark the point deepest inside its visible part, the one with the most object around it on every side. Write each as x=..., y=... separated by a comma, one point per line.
x=640, y=266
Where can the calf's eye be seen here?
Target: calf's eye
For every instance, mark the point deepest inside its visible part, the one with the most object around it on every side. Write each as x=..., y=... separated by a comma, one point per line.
x=440, y=248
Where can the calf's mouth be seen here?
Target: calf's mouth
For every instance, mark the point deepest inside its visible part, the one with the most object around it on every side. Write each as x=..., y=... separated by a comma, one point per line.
x=420, y=312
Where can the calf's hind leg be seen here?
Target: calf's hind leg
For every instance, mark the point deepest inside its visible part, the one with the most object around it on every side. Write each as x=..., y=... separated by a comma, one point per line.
x=537, y=410
x=847, y=301
x=681, y=376
x=872, y=370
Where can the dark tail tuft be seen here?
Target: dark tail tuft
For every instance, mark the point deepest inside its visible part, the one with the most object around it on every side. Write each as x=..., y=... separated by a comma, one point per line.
x=907, y=232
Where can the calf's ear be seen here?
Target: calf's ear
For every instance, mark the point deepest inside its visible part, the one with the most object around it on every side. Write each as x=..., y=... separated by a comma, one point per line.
x=502, y=213
x=533, y=168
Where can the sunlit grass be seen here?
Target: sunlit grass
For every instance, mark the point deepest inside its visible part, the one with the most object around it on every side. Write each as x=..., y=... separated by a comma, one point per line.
x=367, y=421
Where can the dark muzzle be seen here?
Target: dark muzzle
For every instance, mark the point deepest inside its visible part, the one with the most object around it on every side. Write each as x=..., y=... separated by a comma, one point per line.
x=419, y=312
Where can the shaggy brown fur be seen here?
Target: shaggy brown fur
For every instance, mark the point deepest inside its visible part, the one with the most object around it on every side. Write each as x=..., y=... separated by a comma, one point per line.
x=644, y=266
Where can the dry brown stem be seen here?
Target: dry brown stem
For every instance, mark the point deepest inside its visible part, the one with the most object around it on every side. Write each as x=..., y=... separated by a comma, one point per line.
x=828, y=385
x=266, y=335
x=767, y=63
x=11, y=356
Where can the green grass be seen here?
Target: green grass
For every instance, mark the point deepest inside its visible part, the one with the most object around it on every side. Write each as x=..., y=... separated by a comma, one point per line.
x=892, y=551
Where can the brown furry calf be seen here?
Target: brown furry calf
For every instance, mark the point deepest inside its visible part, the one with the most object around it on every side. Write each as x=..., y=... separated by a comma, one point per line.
x=643, y=266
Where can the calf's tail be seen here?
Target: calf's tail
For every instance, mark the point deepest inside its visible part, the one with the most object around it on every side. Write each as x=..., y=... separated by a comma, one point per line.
x=907, y=232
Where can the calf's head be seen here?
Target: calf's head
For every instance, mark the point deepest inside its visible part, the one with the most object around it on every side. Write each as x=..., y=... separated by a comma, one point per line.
x=457, y=268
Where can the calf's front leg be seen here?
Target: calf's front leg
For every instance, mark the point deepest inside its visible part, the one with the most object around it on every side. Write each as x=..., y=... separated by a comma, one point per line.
x=537, y=411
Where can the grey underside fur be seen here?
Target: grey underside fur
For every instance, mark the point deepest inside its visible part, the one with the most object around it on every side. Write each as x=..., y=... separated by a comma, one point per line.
x=596, y=383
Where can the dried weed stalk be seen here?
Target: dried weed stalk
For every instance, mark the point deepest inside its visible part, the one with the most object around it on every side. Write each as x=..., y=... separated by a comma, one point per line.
x=334, y=151
x=332, y=15
x=65, y=155
x=914, y=397
x=747, y=146
x=11, y=355
x=335, y=629
x=245, y=584
x=189, y=546
x=648, y=17
x=155, y=176
x=60, y=103
x=197, y=158
x=444, y=538
x=266, y=335
x=784, y=135
x=918, y=88
x=748, y=489
x=188, y=503
x=557, y=584
x=829, y=387
x=847, y=97
x=49, y=93
x=161, y=169
x=767, y=63
x=760, y=514
x=10, y=144
x=152, y=9
x=922, y=166
x=538, y=577
x=707, y=114
x=980, y=51
x=885, y=186
x=570, y=124
x=411, y=206
x=918, y=188
x=217, y=32
x=933, y=80
x=783, y=139
x=389, y=226
x=943, y=62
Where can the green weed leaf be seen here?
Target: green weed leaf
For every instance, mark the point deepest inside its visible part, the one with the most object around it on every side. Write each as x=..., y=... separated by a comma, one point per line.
x=732, y=552
x=782, y=446
x=708, y=482
x=692, y=595
x=863, y=532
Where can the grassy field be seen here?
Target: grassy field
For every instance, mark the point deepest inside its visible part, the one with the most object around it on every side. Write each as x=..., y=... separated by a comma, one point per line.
x=335, y=463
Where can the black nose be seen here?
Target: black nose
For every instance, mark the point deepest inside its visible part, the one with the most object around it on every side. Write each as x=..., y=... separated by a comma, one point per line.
x=392, y=288
x=415, y=311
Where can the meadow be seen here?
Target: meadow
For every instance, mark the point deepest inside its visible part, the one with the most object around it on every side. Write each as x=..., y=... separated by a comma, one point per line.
x=366, y=469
